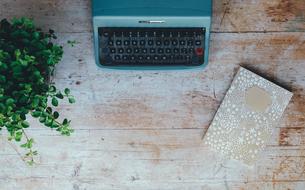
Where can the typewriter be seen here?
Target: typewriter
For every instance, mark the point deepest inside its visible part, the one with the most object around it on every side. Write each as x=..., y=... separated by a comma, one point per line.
x=151, y=33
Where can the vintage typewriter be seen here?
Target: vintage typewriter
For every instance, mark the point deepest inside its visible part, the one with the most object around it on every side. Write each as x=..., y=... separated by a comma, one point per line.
x=151, y=33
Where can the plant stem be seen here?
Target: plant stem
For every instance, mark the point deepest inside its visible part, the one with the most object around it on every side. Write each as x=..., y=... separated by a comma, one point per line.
x=31, y=150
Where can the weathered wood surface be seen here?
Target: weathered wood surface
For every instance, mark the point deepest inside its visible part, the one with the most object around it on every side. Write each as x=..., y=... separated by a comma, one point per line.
x=142, y=129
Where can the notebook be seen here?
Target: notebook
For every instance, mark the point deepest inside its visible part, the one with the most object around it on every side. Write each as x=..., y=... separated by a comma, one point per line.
x=247, y=116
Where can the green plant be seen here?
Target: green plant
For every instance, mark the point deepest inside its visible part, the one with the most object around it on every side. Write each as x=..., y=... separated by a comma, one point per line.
x=27, y=60
x=72, y=43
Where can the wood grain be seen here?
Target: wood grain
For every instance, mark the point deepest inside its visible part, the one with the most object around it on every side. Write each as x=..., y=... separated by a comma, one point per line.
x=142, y=129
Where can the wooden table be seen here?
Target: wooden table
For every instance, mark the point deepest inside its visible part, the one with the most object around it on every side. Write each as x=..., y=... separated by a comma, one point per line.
x=141, y=130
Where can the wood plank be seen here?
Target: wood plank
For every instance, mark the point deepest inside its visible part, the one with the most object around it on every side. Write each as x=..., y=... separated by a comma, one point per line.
x=258, y=16
x=61, y=15
x=146, y=158
x=228, y=15
x=51, y=184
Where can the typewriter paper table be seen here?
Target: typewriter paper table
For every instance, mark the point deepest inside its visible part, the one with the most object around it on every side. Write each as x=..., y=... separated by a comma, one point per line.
x=142, y=130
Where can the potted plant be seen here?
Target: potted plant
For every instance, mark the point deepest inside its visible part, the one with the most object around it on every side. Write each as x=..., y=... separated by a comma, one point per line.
x=27, y=60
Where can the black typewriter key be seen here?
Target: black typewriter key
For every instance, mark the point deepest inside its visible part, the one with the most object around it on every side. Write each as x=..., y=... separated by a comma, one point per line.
x=117, y=57
x=125, y=58
x=112, y=50
x=152, y=50
x=140, y=57
x=182, y=42
x=132, y=58
x=106, y=34
x=168, y=50
x=134, y=42
x=118, y=42
x=142, y=42
x=150, y=42
x=136, y=50
x=184, y=50
x=144, y=50
x=129, y=50
x=174, y=42
x=156, y=57
x=160, y=51
x=166, y=42
x=126, y=42
x=121, y=50
x=164, y=58
x=190, y=42
x=110, y=43
x=198, y=42
x=148, y=57
x=158, y=43
x=190, y=50
x=176, y=50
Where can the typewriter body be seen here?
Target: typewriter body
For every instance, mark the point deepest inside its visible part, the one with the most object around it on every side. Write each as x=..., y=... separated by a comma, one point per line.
x=154, y=34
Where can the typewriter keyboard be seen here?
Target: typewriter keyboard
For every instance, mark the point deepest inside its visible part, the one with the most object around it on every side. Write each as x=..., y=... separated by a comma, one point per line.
x=151, y=46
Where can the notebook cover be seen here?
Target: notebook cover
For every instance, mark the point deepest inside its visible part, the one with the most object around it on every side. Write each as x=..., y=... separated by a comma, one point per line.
x=247, y=116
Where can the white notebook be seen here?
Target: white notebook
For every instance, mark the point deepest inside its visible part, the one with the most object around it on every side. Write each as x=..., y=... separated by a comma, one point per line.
x=247, y=116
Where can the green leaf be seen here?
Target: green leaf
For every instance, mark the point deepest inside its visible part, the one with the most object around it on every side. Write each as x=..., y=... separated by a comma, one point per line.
x=35, y=102
x=25, y=124
x=30, y=143
x=55, y=115
x=72, y=42
x=71, y=100
x=48, y=110
x=54, y=102
x=59, y=95
x=67, y=91
x=36, y=114
x=2, y=79
x=18, y=136
x=52, y=89
x=42, y=119
x=23, y=145
x=36, y=35
x=65, y=121
x=9, y=101
x=54, y=125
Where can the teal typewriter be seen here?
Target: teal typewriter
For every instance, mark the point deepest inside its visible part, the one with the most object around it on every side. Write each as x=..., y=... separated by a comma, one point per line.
x=158, y=34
